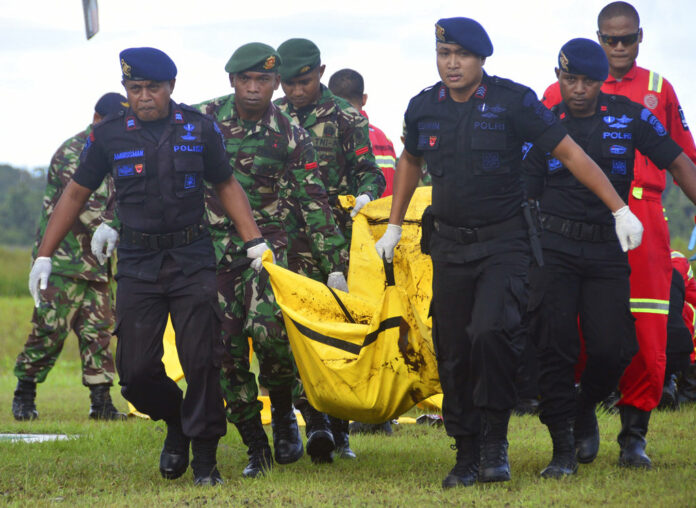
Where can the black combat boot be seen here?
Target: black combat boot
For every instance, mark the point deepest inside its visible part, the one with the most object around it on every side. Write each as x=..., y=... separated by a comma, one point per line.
x=563, y=462
x=586, y=431
x=634, y=427
x=258, y=450
x=370, y=428
x=204, y=463
x=339, y=430
x=174, y=459
x=102, y=408
x=669, y=399
x=23, y=403
x=494, y=466
x=287, y=442
x=320, y=442
x=686, y=385
x=466, y=469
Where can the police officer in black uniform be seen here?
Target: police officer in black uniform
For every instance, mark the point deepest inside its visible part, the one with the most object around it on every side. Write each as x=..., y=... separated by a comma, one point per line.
x=586, y=270
x=159, y=152
x=470, y=128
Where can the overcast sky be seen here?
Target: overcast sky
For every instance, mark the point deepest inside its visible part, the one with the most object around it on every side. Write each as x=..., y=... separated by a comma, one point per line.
x=51, y=76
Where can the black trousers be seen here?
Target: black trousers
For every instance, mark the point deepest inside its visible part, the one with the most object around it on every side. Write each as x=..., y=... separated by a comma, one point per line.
x=571, y=290
x=478, y=335
x=142, y=308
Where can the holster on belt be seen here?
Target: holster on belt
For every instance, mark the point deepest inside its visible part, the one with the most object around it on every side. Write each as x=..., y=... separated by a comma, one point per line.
x=427, y=223
x=530, y=211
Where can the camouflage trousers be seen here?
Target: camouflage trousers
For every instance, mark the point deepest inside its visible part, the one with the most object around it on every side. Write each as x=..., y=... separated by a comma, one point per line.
x=85, y=307
x=250, y=310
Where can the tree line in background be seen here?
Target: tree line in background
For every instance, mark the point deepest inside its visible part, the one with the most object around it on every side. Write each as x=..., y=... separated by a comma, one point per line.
x=21, y=195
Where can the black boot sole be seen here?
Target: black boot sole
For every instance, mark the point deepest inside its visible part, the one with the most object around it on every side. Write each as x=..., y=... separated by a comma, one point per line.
x=320, y=446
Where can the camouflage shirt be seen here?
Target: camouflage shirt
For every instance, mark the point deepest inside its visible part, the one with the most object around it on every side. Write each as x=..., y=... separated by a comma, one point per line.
x=274, y=161
x=74, y=258
x=341, y=139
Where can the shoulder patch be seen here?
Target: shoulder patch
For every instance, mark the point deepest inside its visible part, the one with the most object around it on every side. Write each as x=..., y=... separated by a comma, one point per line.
x=362, y=150
x=508, y=83
x=311, y=165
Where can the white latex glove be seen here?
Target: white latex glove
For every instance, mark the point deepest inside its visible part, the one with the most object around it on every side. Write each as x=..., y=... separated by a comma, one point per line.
x=255, y=254
x=360, y=201
x=104, y=234
x=629, y=230
x=38, y=277
x=337, y=280
x=385, y=245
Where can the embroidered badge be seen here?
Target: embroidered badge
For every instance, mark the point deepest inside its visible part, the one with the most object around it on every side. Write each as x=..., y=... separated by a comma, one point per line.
x=125, y=68
x=269, y=63
x=650, y=101
x=189, y=127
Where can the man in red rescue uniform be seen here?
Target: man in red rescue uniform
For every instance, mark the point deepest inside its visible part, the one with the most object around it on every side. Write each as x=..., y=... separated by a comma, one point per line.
x=349, y=84
x=651, y=269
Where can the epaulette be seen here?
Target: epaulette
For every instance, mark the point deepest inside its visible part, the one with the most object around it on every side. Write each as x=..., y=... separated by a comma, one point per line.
x=508, y=83
x=113, y=116
x=428, y=88
x=620, y=98
x=191, y=109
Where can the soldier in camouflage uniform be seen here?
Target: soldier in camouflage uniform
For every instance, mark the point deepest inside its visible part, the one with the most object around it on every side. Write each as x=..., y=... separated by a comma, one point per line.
x=274, y=161
x=78, y=296
x=341, y=138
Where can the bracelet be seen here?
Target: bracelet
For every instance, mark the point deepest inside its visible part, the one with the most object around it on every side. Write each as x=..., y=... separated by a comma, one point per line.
x=253, y=243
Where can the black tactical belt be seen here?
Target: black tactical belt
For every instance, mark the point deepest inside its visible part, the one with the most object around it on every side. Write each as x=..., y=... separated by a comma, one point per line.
x=480, y=234
x=576, y=230
x=162, y=241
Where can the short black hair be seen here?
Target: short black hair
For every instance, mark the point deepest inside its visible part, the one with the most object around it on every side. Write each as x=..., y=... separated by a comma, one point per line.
x=348, y=84
x=616, y=9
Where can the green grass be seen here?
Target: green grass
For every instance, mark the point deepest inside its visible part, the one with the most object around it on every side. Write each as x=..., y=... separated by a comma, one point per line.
x=115, y=464
x=15, y=264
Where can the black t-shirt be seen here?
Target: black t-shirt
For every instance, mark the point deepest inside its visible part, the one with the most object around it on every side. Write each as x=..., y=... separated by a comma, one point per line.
x=610, y=137
x=473, y=150
x=158, y=181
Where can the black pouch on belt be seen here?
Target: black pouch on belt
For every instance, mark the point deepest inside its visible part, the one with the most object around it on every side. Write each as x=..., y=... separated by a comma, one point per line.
x=427, y=222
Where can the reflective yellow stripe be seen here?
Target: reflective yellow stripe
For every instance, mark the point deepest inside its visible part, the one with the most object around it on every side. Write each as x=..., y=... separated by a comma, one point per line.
x=649, y=306
x=693, y=315
x=655, y=82
x=677, y=254
x=690, y=273
x=637, y=192
x=385, y=161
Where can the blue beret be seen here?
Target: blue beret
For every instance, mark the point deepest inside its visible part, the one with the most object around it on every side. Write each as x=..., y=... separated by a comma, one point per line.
x=585, y=57
x=150, y=64
x=111, y=103
x=466, y=32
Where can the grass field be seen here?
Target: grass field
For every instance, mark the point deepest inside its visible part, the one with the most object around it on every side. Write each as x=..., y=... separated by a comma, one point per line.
x=115, y=464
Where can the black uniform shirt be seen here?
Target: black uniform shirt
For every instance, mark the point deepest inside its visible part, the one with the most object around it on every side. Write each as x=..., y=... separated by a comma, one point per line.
x=158, y=182
x=610, y=137
x=473, y=151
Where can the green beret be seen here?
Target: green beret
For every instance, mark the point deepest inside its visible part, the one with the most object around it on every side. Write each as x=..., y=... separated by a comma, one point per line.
x=256, y=57
x=299, y=56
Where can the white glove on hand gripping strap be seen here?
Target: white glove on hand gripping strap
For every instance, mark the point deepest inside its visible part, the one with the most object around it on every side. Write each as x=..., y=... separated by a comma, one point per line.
x=255, y=254
x=385, y=245
x=104, y=234
x=337, y=280
x=360, y=201
x=38, y=278
x=629, y=230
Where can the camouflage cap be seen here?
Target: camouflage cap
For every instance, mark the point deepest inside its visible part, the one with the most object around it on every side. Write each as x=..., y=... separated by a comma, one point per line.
x=255, y=56
x=299, y=56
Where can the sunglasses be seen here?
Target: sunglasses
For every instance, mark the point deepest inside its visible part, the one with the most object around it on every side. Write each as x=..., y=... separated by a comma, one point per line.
x=613, y=40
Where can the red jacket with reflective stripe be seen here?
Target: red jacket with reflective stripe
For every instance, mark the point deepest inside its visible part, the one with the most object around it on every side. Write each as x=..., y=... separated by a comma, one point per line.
x=657, y=94
x=385, y=156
